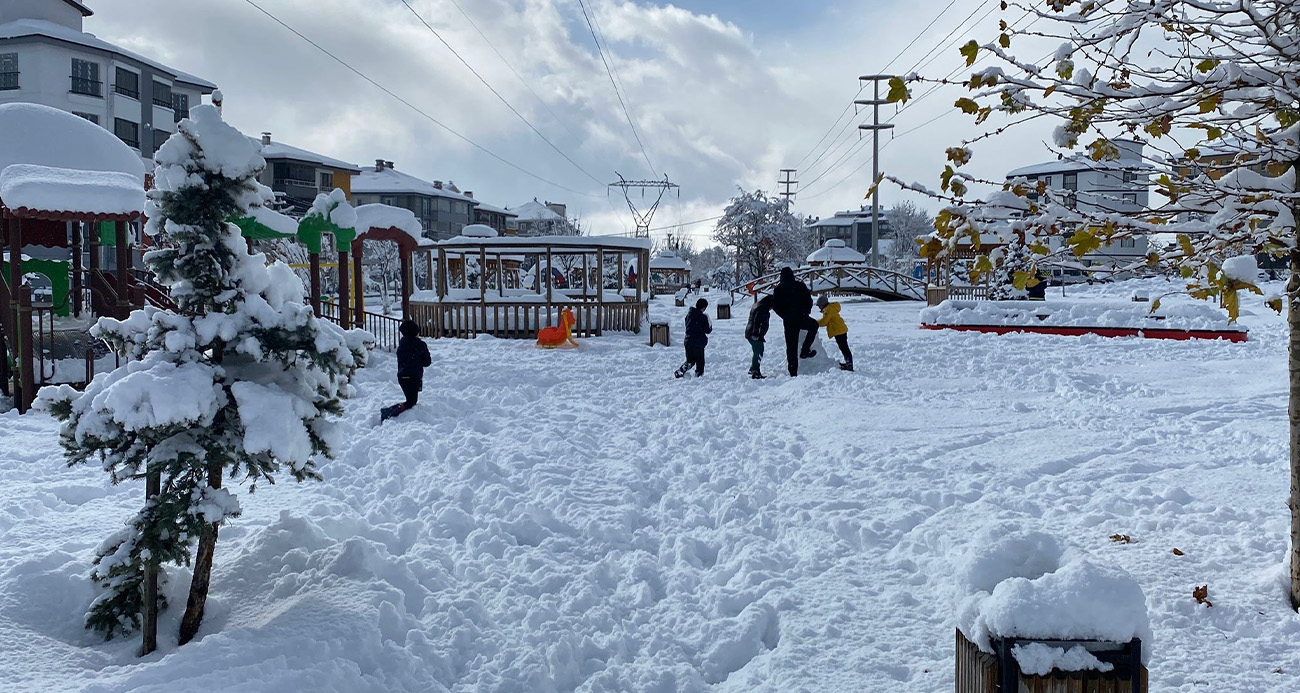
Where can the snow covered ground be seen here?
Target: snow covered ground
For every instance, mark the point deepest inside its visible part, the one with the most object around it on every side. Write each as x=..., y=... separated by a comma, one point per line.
x=579, y=520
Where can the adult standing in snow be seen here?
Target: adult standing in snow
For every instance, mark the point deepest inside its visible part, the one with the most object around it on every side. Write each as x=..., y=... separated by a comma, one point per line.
x=755, y=331
x=412, y=358
x=793, y=302
x=697, y=337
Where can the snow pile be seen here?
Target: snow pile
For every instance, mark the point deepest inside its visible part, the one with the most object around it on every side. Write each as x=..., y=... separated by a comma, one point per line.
x=49, y=189
x=1102, y=314
x=381, y=216
x=35, y=134
x=1023, y=585
x=282, y=224
x=478, y=231
x=1037, y=659
x=1243, y=269
x=335, y=207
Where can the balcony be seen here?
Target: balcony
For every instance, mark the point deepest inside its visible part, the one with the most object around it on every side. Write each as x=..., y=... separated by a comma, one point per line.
x=134, y=143
x=163, y=103
x=127, y=91
x=88, y=87
x=8, y=80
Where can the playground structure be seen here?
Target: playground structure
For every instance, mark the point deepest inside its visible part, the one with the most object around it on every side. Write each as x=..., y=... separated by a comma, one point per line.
x=593, y=277
x=561, y=336
x=846, y=279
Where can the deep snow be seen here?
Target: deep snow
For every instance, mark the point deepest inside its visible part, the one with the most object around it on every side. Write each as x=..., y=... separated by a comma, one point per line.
x=561, y=520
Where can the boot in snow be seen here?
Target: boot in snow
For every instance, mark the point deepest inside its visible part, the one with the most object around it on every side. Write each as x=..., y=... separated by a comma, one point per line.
x=808, y=354
x=846, y=366
x=756, y=375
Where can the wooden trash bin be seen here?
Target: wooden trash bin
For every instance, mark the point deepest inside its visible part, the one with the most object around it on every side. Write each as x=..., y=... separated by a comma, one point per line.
x=659, y=333
x=724, y=311
x=981, y=672
x=934, y=295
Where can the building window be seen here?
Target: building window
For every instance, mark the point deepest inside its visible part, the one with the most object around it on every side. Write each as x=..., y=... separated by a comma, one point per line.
x=1070, y=181
x=326, y=180
x=159, y=136
x=85, y=78
x=88, y=116
x=162, y=95
x=127, y=132
x=8, y=71
x=1127, y=176
x=1130, y=198
x=1071, y=199
x=1128, y=242
x=181, y=105
x=127, y=83
x=293, y=174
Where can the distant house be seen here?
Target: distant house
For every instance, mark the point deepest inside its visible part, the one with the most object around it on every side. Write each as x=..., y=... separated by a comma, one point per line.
x=542, y=219
x=1097, y=187
x=853, y=227
x=46, y=58
x=443, y=210
x=297, y=175
x=503, y=220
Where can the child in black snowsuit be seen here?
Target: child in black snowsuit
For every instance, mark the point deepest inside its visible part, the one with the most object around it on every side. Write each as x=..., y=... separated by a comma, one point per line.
x=697, y=337
x=412, y=358
x=755, y=331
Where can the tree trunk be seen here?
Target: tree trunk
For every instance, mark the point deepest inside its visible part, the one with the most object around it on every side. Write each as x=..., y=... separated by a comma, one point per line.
x=149, y=606
x=1293, y=417
x=202, y=570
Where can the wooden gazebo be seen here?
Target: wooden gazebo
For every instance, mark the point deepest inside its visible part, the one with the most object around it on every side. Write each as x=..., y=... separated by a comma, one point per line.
x=601, y=301
x=669, y=272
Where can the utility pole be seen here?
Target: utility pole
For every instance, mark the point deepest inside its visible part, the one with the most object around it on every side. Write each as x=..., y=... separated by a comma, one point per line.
x=785, y=183
x=875, y=127
x=643, y=216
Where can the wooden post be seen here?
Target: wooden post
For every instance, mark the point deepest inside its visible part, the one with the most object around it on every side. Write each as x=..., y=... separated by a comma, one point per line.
x=15, y=262
x=314, y=259
x=501, y=285
x=406, y=282
x=74, y=231
x=600, y=292
x=550, y=279
x=26, y=359
x=123, y=270
x=482, y=287
x=428, y=269
x=345, y=298
x=359, y=286
x=442, y=274
x=92, y=256
x=149, y=609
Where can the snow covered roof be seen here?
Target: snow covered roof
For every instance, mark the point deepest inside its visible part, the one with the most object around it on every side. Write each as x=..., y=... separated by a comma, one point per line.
x=533, y=244
x=70, y=191
x=40, y=27
x=836, y=251
x=280, y=150
x=668, y=259
x=535, y=211
x=35, y=134
x=833, y=221
x=377, y=216
x=494, y=209
x=1075, y=163
x=392, y=181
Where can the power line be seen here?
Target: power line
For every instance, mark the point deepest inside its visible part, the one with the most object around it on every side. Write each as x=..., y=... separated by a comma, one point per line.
x=415, y=108
x=496, y=93
x=614, y=84
x=563, y=123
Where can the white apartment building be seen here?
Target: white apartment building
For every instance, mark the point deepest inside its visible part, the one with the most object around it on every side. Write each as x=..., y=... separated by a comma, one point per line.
x=46, y=58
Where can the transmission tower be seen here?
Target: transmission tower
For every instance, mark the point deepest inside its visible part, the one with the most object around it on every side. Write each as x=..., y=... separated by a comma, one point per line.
x=643, y=216
x=875, y=127
x=786, y=183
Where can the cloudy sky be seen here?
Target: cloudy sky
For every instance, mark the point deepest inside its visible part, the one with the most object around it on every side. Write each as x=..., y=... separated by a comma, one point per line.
x=724, y=93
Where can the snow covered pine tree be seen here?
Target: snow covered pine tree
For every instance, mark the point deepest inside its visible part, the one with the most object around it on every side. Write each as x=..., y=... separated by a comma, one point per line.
x=236, y=382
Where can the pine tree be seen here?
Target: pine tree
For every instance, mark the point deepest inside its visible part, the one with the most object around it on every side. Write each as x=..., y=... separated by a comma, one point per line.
x=236, y=383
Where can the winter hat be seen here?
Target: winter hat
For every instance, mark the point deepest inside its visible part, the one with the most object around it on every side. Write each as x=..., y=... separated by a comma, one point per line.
x=702, y=304
x=409, y=328
x=787, y=274
x=822, y=301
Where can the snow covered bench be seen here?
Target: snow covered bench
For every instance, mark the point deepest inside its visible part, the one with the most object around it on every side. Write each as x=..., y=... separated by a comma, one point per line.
x=1074, y=318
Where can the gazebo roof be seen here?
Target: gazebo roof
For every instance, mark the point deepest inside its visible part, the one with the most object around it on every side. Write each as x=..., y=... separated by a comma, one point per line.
x=538, y=244
x=668, y=259
x=381, y=216
x=46, y=192
x=836, y=251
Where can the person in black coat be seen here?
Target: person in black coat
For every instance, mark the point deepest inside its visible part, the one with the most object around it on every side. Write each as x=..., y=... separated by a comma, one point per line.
x=697, y=337
x=755, y=331
x=412, y=358
x=793, y=302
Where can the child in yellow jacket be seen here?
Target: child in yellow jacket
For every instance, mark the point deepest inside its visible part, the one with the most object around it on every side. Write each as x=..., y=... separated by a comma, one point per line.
x=835, y=328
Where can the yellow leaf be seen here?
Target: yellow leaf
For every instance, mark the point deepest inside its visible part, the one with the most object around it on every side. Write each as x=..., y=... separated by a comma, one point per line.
x=1185, y=243
x=983, y=264
x=1207, y=65
x=1275, y=304
x=1083, y=242
x=1232, y=304
x=966, y=105
x=1004, y=40
x=1155, y=305
x=969, y=50
x=1210, y=103
x=897, y=91
x=1048, y=91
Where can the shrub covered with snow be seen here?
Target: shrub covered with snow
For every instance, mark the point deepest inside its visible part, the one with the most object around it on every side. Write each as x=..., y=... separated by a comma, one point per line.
x=237, y=382
x=1175, y=316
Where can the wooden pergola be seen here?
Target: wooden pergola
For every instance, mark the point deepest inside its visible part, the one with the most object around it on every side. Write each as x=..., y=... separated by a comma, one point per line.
x=458, y=309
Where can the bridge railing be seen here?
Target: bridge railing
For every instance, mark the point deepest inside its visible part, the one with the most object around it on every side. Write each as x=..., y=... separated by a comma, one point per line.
x=860, y=278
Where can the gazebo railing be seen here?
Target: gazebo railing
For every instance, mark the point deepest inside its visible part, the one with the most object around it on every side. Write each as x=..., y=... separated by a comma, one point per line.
x=522, y=320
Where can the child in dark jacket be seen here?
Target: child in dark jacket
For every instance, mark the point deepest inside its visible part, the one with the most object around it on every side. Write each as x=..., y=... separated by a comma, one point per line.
x=697, y=337
x=755, y=331
x=412, y=358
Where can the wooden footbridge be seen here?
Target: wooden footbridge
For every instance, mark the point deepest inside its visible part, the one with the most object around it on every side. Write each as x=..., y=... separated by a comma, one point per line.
x=861, y=279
